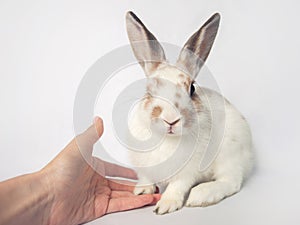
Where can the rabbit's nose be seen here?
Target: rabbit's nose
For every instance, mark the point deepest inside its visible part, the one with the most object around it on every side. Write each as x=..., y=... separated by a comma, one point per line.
x=172, y=123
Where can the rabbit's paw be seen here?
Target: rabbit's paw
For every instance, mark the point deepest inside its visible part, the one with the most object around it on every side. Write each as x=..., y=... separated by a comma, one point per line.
x=150, y=189
x=168, y=205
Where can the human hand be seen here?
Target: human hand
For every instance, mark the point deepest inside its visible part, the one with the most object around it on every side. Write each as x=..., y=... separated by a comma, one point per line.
x=79, y=193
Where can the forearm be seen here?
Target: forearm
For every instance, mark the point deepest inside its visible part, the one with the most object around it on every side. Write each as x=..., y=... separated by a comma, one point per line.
x=25, y=200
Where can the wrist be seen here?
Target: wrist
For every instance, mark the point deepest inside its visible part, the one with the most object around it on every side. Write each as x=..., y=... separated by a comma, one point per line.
x=25, y=200
x=42, y=197
x=45, y=198
x=49, y=184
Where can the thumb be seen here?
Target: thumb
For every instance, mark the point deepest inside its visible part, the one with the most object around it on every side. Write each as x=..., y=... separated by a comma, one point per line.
x=89, y=137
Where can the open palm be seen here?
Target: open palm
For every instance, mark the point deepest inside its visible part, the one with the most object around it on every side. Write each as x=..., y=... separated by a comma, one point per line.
x=80, y=193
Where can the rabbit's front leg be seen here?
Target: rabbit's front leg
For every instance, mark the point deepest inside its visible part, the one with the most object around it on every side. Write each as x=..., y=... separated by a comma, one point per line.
x=174, y=196
x=210, y=193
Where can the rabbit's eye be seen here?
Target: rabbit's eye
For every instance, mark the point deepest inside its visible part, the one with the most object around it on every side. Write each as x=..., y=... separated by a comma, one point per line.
x=192, y=89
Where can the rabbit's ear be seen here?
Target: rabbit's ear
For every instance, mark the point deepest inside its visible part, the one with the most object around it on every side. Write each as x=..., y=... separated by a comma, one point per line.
x=197, y=48
x=145, y=46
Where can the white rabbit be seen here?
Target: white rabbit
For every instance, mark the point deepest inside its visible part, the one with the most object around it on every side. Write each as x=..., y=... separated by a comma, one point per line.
x=182, y=112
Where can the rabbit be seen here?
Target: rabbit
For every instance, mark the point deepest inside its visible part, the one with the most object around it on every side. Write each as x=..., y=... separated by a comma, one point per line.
x=185, y=110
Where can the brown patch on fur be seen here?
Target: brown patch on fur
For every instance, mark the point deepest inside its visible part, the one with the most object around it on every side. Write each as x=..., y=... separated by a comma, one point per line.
x=147, y=101
x=185, y=81
x=186, y=114
x=186, y=85
x=158, y=82
x=156, y=111
x=196, y=102
x=176, y=105
x=184, y=77
x=155, y=65
x=177, y=95
x=188, y=79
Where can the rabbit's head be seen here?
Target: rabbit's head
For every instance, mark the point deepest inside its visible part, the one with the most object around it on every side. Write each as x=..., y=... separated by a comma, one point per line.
x=172, y=96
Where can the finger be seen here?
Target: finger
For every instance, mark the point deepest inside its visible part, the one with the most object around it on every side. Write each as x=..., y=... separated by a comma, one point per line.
x=156, y=198
x=98, y=122
x=114, y=170
x=88, y=138
x=127, y=203
x=121, y=194
x=95, y=131
x=121, y=185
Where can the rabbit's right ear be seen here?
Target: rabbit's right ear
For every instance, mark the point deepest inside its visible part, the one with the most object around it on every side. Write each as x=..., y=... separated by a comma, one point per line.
x=145, y=46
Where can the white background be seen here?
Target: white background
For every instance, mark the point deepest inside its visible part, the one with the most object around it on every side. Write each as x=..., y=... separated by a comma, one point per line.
x=47, y=46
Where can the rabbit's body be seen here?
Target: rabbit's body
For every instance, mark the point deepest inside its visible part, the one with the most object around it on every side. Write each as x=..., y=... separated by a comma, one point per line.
x=188, y=116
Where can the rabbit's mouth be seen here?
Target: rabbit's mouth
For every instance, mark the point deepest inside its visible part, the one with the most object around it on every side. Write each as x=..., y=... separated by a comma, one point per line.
x=170, y=130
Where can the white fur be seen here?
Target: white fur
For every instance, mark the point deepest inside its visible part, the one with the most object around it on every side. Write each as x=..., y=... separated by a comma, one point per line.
x=196, y=127
x=190, y=186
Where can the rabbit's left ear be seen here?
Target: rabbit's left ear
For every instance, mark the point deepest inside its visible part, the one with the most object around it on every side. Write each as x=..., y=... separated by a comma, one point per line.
x=145, y=46
x=196, y=49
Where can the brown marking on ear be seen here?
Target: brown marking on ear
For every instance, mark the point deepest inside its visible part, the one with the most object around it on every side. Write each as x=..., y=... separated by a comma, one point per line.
x=176, y=104
x=156, y=111
x=153, y=66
